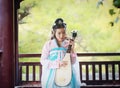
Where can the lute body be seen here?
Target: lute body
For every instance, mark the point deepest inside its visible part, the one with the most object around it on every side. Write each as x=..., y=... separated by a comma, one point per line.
x=64, y=74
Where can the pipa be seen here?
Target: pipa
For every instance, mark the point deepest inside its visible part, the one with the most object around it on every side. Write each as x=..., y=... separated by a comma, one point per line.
x=64, y=74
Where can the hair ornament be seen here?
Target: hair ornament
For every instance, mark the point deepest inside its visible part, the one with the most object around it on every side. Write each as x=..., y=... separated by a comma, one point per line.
x=59, y=24
x=59, y=21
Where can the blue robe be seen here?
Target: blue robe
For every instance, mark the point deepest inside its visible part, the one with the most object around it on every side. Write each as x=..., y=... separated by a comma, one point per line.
x=48, y=74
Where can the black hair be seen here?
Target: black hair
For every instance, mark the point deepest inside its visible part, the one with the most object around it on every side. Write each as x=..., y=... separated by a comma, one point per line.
x=59, y=23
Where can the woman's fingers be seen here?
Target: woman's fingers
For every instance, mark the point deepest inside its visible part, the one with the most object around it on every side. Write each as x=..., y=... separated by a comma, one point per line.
x=63, y=63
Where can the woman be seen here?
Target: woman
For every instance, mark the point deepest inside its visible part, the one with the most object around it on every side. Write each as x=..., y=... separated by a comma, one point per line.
x=53, y=52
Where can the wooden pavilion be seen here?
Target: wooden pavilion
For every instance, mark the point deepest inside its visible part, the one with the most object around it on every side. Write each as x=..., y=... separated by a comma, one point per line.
x=11, y=69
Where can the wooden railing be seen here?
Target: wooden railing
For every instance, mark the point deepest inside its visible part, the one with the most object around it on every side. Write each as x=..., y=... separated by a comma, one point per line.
x=78, y=54
x=91, y=73
x=100, y=73
x=27, y=76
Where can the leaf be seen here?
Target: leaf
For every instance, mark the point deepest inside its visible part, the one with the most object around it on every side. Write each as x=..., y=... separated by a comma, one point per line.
x=100, y=2
x=117, y=19
x=112, y=23
x=111, y=12
x=116, y=3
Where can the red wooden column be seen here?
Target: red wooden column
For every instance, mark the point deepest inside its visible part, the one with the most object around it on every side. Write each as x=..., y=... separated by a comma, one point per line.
x=7, y=44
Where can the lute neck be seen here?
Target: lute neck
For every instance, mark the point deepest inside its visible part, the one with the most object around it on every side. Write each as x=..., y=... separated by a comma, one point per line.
x=69, y=49
x=74, y=34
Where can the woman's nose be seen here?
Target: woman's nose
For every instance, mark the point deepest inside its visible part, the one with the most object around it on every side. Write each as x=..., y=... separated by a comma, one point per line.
x=61, y=36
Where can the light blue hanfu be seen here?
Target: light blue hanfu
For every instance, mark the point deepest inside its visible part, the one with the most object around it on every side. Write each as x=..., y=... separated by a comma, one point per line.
x=48, y=75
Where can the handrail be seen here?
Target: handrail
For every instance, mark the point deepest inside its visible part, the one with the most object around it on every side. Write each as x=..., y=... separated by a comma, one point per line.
x=29, y=55
x=79, y=54
x=90, y=72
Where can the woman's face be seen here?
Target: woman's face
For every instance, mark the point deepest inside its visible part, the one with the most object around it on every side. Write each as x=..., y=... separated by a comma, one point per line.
x=60, y=34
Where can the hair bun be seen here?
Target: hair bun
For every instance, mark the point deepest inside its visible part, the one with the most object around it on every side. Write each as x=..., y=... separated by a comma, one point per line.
x=59, y=21
x=59, y=24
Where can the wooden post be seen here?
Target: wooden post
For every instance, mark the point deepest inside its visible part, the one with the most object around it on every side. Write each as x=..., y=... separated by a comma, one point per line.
x=7, y=44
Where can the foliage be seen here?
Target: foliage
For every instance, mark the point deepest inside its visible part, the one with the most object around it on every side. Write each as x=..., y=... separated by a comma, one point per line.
x=116, y=4
x=94, y=32
x=25, y=9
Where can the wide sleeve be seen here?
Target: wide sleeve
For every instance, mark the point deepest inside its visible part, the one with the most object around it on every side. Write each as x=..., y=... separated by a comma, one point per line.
x=73, y=57
x=44, y=57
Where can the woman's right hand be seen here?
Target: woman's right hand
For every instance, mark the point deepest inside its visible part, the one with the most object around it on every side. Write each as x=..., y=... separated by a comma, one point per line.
x=63, y=63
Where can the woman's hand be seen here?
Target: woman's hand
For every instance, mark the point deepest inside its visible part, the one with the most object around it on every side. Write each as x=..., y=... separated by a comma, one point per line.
x=71, y=42
x=68, y=42
x=63, y=63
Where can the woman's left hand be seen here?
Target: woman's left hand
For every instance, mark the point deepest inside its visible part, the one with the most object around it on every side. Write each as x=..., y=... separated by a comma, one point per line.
x=68, y=42
x=72, y=43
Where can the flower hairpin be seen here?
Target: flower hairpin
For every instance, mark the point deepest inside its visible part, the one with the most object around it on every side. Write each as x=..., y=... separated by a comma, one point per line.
x=59, y=22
